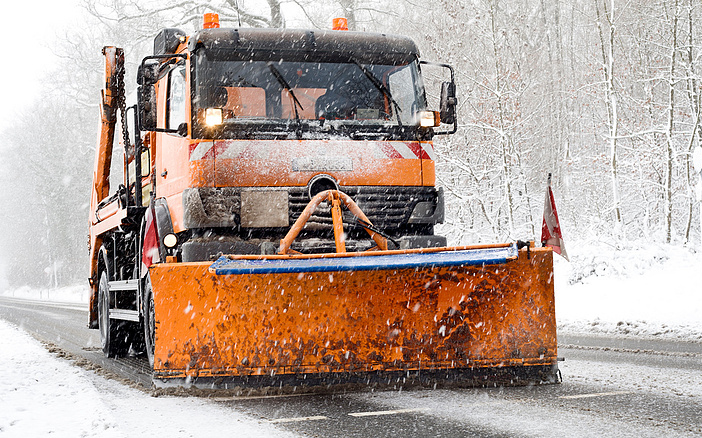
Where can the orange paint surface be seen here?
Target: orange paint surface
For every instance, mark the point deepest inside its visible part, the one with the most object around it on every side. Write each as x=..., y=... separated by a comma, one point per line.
x=263, y=324
x=181, y=163
x=294, y=163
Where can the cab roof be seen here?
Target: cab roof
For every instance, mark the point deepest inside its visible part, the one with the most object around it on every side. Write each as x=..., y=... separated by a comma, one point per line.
x=249, y=43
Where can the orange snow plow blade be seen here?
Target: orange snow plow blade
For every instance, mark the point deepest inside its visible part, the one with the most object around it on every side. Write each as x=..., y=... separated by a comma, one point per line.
x=469, y=315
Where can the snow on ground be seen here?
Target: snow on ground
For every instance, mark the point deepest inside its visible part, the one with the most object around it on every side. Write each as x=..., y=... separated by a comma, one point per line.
x=641, y=290
x=496, y=415
x=71, y=294
x=634, y=377
x=41, y=395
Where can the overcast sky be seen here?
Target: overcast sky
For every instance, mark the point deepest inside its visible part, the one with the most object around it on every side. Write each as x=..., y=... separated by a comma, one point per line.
x=28, y=33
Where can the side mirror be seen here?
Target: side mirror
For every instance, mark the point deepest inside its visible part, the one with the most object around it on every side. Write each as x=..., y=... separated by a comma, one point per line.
x=448, y=102
x=147, y=107
x=147, y=76
x=148, y=72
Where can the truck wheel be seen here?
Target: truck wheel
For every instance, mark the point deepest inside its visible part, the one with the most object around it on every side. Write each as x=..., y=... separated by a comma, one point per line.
x=113, y=336
x=149, y=321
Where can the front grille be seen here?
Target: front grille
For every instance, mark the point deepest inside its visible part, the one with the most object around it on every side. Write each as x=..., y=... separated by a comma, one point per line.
x=386, y=207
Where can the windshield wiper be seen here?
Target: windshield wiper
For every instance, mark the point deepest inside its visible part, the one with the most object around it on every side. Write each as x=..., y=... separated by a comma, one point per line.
x=380, y=86
x=287, y=86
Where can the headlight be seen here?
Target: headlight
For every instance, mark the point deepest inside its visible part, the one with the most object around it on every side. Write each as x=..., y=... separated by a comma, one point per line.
x=170, y=240
x=213, y=116
x=429, y=119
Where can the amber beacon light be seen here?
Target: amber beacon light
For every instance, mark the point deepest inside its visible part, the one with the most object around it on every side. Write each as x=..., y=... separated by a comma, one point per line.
x=340, y=24
x=211, y=21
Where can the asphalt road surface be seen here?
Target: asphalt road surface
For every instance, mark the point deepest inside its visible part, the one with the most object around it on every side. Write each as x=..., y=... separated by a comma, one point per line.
x=611, y=387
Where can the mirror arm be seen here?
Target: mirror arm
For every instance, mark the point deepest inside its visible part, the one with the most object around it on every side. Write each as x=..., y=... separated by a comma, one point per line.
x=453, y=81
x=452, y=131
x=150, y=57
x=183, y=129
x=437, y=64
x=166, y=130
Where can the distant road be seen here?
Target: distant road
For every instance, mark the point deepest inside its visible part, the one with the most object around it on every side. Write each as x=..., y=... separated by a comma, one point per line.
x=611, y=387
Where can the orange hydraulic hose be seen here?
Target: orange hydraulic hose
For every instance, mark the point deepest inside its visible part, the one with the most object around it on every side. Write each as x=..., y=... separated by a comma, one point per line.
x=286, y=242
x=338, y=224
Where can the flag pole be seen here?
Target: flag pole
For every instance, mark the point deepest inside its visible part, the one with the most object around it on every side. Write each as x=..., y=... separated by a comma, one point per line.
x=551, y=234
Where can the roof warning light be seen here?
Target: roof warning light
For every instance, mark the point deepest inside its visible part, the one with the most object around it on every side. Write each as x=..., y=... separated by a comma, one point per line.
x=211, y=21
x=340, y=24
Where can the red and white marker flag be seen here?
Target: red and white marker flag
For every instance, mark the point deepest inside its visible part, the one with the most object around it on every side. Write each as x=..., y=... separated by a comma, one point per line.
x=551, y=229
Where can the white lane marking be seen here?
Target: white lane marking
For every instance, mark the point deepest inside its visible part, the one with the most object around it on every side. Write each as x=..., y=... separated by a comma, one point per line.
x=294, y=419
x=597, y=394
x=393, y=412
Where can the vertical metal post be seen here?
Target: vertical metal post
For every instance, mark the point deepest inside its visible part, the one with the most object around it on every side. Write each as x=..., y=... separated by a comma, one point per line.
x=137, y=156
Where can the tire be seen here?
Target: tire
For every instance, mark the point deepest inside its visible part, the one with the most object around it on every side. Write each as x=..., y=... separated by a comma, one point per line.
x=114, y=335
x=149, y=319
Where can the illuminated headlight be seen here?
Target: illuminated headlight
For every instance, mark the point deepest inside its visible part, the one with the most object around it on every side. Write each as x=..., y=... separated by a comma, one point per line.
x=213, y=116
x=170, y=240
x=429, y=119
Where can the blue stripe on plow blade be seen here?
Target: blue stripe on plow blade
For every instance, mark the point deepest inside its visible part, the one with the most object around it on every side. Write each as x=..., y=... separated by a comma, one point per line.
x=488, y=256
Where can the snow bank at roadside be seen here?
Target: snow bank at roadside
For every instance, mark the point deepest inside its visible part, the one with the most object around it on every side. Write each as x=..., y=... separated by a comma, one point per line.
x=70, y=294
x=41, y=395
x=641, y=290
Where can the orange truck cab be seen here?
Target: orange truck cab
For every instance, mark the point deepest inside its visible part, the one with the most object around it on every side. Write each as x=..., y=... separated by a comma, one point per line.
x=255, y=122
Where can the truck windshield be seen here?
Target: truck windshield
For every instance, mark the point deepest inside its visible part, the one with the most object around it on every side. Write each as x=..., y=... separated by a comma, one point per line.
x=345, y=98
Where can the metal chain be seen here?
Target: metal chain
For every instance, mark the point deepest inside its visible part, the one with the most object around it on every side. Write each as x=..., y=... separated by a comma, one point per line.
x=122, y=104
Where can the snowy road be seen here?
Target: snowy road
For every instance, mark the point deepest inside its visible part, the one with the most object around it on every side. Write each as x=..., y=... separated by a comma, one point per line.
x=611, y=387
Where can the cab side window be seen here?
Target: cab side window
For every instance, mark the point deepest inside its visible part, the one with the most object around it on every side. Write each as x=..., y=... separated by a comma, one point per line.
x=401, y=84
x=176, y=97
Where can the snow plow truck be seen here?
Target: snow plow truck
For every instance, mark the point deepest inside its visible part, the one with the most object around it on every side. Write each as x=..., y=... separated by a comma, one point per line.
x=268, y=221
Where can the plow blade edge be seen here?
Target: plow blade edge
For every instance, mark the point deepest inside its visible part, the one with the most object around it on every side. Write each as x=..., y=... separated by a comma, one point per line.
x=453, y=315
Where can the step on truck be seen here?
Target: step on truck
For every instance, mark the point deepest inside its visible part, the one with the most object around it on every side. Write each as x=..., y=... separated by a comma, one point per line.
x=271, y=222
